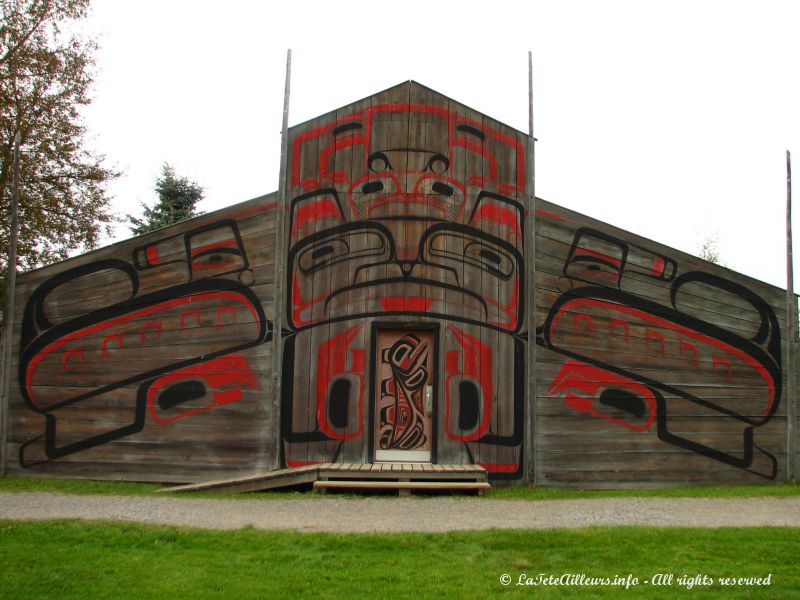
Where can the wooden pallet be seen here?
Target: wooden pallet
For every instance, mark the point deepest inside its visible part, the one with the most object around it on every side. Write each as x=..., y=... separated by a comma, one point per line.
x=404, y=488
x=403, y=477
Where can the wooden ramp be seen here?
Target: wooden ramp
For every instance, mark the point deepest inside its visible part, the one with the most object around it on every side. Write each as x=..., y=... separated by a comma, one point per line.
x=403, y=477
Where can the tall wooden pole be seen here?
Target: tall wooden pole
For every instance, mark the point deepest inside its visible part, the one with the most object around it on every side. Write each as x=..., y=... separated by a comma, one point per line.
x=280, y=261
x=791, y=335
x=530, y=278
x=8, y=312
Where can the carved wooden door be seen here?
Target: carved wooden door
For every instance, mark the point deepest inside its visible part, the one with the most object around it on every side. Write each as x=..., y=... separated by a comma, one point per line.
x=404, y=395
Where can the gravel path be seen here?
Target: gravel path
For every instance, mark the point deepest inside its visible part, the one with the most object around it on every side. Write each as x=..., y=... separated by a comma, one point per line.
x=406, y=514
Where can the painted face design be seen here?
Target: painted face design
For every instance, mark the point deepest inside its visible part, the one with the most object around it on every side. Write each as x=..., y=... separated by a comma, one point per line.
x=393, y=228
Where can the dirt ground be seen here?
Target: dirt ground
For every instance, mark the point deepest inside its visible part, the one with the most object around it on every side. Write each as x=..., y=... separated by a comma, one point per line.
x=426, y=514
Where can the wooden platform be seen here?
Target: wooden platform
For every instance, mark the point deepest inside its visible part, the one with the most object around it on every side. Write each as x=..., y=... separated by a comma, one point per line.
x=403, y=477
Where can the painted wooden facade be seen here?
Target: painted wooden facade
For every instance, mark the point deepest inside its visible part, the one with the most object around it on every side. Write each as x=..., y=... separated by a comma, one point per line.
x=144, y=360
x=402, y=329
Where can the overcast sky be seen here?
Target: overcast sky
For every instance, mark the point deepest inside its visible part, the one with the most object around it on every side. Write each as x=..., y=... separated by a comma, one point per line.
x=670, y=119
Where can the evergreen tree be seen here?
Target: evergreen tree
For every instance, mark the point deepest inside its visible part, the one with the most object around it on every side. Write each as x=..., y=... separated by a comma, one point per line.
x=709, y=251
x=177, y=200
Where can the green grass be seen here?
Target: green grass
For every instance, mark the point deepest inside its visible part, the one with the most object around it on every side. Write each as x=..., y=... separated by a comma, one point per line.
x=77, y=486
x=68, y=559
x=742, y=491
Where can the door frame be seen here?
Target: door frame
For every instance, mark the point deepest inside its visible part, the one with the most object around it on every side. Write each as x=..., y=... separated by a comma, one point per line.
x=434, y=328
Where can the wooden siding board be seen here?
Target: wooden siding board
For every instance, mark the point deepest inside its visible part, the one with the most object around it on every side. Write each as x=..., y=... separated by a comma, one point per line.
x=341, y=276
x=453, y=451
x=191, y=438
x=584, y=440
x=704, y=407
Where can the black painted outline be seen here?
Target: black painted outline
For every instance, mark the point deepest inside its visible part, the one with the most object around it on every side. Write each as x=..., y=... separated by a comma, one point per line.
x=367, y=225
x=32, y=348
x=771, y=361
x=210, y=227
x=138, y=303
x=435, y=328
x=34, y=319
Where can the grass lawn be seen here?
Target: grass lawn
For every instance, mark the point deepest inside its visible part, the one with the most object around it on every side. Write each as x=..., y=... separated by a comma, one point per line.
x=77, y=486
x=68, y=559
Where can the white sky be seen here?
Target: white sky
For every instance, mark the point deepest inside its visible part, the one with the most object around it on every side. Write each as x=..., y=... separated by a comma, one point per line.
x=667, y=118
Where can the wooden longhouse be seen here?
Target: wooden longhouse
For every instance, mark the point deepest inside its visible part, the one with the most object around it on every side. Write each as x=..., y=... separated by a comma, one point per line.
x=383, y=317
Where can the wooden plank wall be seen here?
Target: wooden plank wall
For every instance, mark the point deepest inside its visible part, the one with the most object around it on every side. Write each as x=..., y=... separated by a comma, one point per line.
x=406, y=210
x=148, y=360
x=655, y=367
x=796, y=431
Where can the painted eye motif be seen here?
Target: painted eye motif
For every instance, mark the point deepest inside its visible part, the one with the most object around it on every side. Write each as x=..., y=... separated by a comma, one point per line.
x=438, y=164
x=218, y=259
x=489, y=258
x=322, y=254
x=379, y=162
